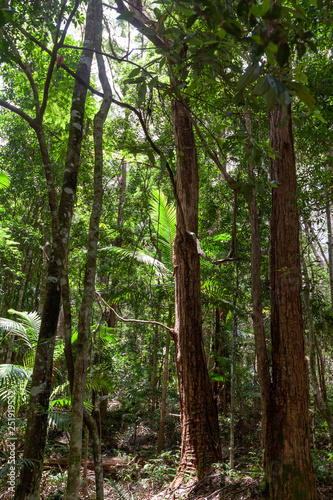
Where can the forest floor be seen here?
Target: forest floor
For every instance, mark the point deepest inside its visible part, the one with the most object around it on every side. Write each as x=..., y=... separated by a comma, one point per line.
x=216, y=486
x=135, y=472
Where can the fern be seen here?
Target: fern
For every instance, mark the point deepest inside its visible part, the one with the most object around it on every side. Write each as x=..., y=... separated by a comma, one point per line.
x=121, y=492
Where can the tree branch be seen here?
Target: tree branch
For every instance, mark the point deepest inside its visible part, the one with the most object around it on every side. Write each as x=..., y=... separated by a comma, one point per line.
x=204, y=256
x=128, y=320
x=55, y=49
x=18, y=111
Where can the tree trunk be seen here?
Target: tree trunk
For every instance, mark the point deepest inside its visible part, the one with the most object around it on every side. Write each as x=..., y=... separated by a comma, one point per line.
x=35, y=436
x=82, y=345
x=161, y=431
x=233, y=380
x=154, y=375
x=289, y=461
x=330, y=246
x=317, y=392
x=256, y=294
x=199, y=423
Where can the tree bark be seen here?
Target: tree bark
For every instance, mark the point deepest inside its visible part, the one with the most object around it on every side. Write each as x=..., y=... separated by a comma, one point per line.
x=36, y=432
x=289, y=461
x=35, y=439
x=85, y=315
x=199, y=422
x=330, y=246
x=161, y=431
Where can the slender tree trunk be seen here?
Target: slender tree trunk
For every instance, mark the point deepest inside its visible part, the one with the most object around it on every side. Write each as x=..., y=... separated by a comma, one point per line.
x=199, y=423
x=317, y=393
x=256, y=294
x=233, y=380
x=35, y=439
x=289, y=461
x=161, y=431
x=330, y=246
x=82, y=348
x=154, y=375
x=119, y=240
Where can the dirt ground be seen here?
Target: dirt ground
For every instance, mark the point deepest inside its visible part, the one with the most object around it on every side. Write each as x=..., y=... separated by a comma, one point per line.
x=216, y=486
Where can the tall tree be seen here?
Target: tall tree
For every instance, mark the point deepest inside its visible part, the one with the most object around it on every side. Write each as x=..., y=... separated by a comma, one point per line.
x=288, y=439
x=85, y=315
x=199, y=423
x=35, y=439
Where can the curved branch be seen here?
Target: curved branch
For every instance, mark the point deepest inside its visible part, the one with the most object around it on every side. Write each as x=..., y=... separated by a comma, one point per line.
x=128, y=320
x=25, y=68
x=202, y=254
x=19, y=112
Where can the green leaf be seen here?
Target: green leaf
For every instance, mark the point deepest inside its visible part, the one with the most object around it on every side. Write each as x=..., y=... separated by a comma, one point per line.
x=278, y=87
x=191, y=20
x=283, y=54
x=151, y=157
x=142, y=93
x=4, y=180
x=127, y=15
x=134, y=72
x=153, y=82
x=262, y=86
x=250, y=75
x=317, y=115
x=147, y=31
x=270, y=99
x=6, y=16
x=304, y=95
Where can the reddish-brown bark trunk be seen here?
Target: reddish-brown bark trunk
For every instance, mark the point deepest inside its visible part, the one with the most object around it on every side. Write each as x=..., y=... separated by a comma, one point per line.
x=288, y=439
x=199, y=422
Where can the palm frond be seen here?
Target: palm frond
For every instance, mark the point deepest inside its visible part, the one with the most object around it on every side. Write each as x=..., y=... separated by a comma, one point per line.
x=141, y=256
x=163, y=216
x=60, y=419
x=30, y=320
x=13, y=374
x=12, y=326
x=27, y=328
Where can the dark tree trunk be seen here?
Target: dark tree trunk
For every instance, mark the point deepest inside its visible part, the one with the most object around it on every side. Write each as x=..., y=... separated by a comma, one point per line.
x=199, y=423
x=35, y=437
x=288, y=461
